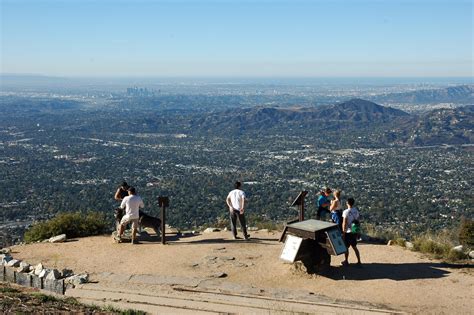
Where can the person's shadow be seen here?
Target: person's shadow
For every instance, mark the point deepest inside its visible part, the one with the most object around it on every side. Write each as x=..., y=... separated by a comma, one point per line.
x=397, y=272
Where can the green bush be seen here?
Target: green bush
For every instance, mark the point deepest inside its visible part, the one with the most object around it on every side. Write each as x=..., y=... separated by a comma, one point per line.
x=466, y=233
x=73, y=224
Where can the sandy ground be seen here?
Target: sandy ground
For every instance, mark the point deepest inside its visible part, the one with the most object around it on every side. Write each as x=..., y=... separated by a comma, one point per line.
x=390, y=276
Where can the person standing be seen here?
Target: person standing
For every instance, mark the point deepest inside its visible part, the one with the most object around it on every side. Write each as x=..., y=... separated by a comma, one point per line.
x=122, y=191
x=132, y=204
x=323, y=203
x=336, y=209
x=350, y=239
x=236, y=202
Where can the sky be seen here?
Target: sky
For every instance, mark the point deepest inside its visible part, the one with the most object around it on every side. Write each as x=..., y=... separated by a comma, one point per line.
x=261, y=38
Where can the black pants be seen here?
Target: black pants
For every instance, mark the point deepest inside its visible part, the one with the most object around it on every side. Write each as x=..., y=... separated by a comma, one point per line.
x=233, y=222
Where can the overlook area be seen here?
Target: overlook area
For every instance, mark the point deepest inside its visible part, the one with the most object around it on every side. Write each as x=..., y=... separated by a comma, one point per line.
x=214, y=268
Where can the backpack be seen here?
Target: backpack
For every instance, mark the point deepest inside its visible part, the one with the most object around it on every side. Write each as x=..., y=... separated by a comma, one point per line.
x=355, y=227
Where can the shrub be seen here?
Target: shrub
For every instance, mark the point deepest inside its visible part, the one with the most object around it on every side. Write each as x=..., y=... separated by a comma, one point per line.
x=466, y=233
x=73, y=224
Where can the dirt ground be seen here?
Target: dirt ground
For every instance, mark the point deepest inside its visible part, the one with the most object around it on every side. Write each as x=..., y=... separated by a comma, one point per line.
x=390, y=276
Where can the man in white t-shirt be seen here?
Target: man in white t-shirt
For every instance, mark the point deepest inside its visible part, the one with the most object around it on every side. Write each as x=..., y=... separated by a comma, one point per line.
x=132, y=204
x=348, y=217
x=236, y=203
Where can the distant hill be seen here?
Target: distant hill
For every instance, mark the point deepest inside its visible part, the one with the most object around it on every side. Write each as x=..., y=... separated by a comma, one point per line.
x=449, y=126
x=354, y=110
x=463, y=94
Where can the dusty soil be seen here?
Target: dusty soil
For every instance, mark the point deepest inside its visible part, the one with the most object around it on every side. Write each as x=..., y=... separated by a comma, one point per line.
x=390, y=276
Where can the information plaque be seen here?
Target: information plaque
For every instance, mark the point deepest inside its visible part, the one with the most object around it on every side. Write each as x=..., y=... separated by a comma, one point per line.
x=290, y=248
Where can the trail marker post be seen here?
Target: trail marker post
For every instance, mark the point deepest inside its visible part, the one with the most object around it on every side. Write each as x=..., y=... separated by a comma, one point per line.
x=163, y=202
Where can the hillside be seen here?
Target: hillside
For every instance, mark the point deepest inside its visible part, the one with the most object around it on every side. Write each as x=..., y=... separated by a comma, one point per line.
x=462, y=94
x=210, y=272
x=352, y=111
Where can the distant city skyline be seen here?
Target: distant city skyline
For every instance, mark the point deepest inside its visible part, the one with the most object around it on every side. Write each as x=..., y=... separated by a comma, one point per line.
x=370, y=38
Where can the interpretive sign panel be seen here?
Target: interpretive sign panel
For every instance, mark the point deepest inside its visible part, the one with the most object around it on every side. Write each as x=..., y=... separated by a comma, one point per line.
x=290, y=248
x=335, y=240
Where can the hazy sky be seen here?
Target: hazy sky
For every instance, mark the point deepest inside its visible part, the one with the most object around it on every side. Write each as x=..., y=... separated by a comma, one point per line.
x=238, y=38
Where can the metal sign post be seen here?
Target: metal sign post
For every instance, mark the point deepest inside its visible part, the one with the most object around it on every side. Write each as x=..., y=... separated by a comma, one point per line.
x=299, y=201
x=163, y=202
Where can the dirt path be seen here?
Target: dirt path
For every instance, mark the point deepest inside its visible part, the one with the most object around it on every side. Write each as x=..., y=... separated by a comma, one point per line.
x=391, y=277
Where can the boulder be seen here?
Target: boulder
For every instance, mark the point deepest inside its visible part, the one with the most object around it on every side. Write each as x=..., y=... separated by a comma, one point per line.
x=13, y=263
x=458, y=248
x=391, y=243
x=77, y=279
x=44, y=273
x=409, y=245
x=4, y=259
x=38, y=268
x=54, y=274
x=471, y=254
x=211, y=229
x=5, y=250
x=24, y=267
x=58, y=239
x=66, y=273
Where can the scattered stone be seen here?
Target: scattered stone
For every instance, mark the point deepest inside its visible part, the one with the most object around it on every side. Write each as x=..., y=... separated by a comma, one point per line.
x=239, y=264
x=24, y=267
x=458, y=248
x=391, y=243
x=227, y=258
x=219, y=275
x=210, y=257
x=66, y=273
x=38, y=268
x=409, y=245
x=471, y=254
x=53, y=275
x=58, y=239
x=211, y=229
x=44, y=273
x=13, y=263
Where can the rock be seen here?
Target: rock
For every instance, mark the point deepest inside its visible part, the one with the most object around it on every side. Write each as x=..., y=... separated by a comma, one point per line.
x=471, y=254
x=44, y=273
x=77, y=279
x=5, y=250
x=219, y=249
x=24, y=267
x=409, y=245
x=66, y=273
x=227, y=258
x=391, y=243
x=252, y=228
x=458, y=248
x=38, y=268
x=4, y=259
x=210, y=257
x=53, y=275
x=211, y=229
x=219, y=275
x=13, y=263
x=58, y=239
x=263, y=231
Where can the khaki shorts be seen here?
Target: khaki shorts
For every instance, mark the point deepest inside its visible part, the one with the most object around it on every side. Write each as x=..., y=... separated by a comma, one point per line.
x=126, y=220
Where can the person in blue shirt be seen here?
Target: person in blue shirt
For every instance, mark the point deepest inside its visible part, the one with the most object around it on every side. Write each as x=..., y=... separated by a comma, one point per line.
x=323, y=203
